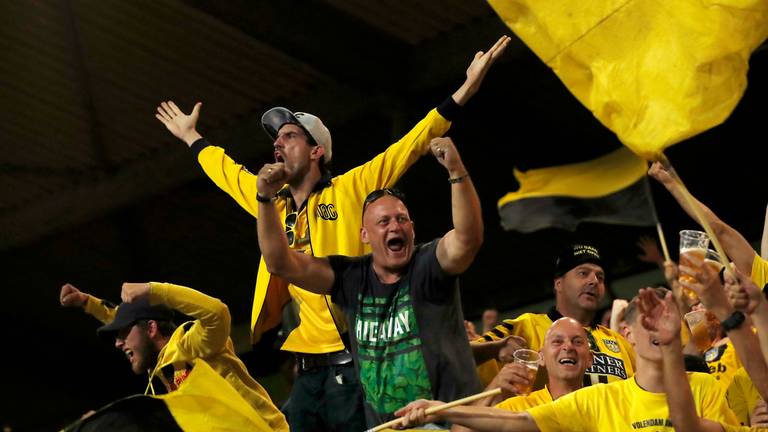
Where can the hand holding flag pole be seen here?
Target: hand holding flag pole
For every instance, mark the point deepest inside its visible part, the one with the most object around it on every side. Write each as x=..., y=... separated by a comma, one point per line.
x=439, y=408
x=662, y=158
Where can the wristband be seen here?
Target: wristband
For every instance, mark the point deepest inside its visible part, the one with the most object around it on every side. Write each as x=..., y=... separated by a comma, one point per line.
x=262, y=199
x=733, y=322
x=458, y=179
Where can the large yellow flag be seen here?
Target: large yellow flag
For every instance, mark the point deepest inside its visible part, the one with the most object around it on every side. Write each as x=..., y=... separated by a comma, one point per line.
x=653, y=71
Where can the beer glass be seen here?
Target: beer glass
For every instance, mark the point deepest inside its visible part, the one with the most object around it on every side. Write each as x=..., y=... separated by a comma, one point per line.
x=530, y=359
x=692, y=244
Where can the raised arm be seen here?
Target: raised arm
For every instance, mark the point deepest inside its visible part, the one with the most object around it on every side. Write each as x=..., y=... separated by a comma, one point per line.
x=745, y=296
x=228, y=175
x=662, y=320
x=745, y=341
x=310, y=273
x=735, y=245
x=386, y=168
x=70, y=296
x=203, y=340
x=457, y=249
x=477, y=70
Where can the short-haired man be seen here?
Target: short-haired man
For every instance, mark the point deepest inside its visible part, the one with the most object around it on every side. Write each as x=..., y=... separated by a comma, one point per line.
x=566, y=356
x=402, y=300
x=579, y=286
x=637, y=403
x=142, y=327
x=321, y=216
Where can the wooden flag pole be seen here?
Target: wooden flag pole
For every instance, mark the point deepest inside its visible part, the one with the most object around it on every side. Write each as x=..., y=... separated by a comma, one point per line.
x=442, y=407
x=663, y=242
x=696, y=210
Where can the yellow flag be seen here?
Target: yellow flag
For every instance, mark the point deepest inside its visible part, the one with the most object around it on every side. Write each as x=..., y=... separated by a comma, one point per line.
x=653, y=71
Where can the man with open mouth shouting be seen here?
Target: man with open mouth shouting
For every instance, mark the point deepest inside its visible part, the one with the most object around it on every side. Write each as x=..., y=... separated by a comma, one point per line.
x=401, y=301
x=321, y=217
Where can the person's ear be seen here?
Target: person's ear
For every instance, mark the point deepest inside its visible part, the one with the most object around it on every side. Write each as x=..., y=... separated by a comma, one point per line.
x=152, y=329
x=558, y=285
x=317, y=152
x=364, y=235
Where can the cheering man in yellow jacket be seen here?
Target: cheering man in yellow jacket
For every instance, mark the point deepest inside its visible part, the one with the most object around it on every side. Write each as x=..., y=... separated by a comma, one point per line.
x=321, y=217
x=142, y=327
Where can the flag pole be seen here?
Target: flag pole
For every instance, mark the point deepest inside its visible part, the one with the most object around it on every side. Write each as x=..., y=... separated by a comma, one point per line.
x=696, y=209
x=434, y=409
x=659, y=231
x=663, y=242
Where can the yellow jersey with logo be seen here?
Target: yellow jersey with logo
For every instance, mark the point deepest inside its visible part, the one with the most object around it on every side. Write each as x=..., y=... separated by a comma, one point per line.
x=614, y=357
x=624, y=406
x=523, y=403
x=723, y=362
x=331, y=218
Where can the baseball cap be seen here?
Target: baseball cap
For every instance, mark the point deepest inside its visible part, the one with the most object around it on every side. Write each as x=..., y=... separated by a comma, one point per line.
x=129, y=313
x=275, y=118
x=574, y=255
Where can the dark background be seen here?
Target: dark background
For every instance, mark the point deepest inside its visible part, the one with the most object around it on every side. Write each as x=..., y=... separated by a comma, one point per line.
x=96, y=192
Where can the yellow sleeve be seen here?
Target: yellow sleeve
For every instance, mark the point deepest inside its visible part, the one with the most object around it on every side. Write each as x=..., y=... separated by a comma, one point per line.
x=759, y=271
x=210, y=332
x=737, y=400
x=386, y=168
x=230, y=177
x=100, y=309
x=714, y=405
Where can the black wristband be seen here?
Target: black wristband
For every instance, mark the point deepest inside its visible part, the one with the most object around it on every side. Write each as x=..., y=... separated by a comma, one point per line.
x=733, y=322
x=458, y=179
x=262, y=199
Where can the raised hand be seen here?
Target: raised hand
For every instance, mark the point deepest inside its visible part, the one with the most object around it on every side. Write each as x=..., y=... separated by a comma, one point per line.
x=272, y=177
x=659, y=316
x=660, y=173
x=181, y=125
x=70, y=296
x=651, y=253
x=446, y=154
x=134, y=291
x=743, y=294
x=478, y=68
x=707, y=286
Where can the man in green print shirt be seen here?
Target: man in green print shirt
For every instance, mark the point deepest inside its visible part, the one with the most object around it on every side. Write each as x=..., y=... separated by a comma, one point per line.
x=402, y=300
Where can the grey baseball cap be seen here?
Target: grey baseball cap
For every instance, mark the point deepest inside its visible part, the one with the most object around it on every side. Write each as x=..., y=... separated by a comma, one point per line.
x=276, y=117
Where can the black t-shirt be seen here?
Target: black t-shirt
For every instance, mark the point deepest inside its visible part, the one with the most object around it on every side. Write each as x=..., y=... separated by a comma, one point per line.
x=408, y=337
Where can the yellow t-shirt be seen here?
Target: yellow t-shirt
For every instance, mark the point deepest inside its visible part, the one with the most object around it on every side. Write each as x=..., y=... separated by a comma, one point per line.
x=523, y=403
x=614, y=357
x=624, y=406
x=742, y=396
x=723, y=363
x=759, y=271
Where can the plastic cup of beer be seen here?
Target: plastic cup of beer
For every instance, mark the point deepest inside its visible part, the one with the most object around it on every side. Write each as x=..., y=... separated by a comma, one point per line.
x=530, y=359
x=692, y=244
x=698, y=324
x=712, y=259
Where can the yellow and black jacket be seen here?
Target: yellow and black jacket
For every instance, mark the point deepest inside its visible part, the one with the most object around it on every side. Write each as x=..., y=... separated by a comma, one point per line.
x=205, y=338
x=329, y=222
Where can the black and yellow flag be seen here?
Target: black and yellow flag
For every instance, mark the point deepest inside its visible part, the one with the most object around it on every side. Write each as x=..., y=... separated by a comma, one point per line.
x=610, y=189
